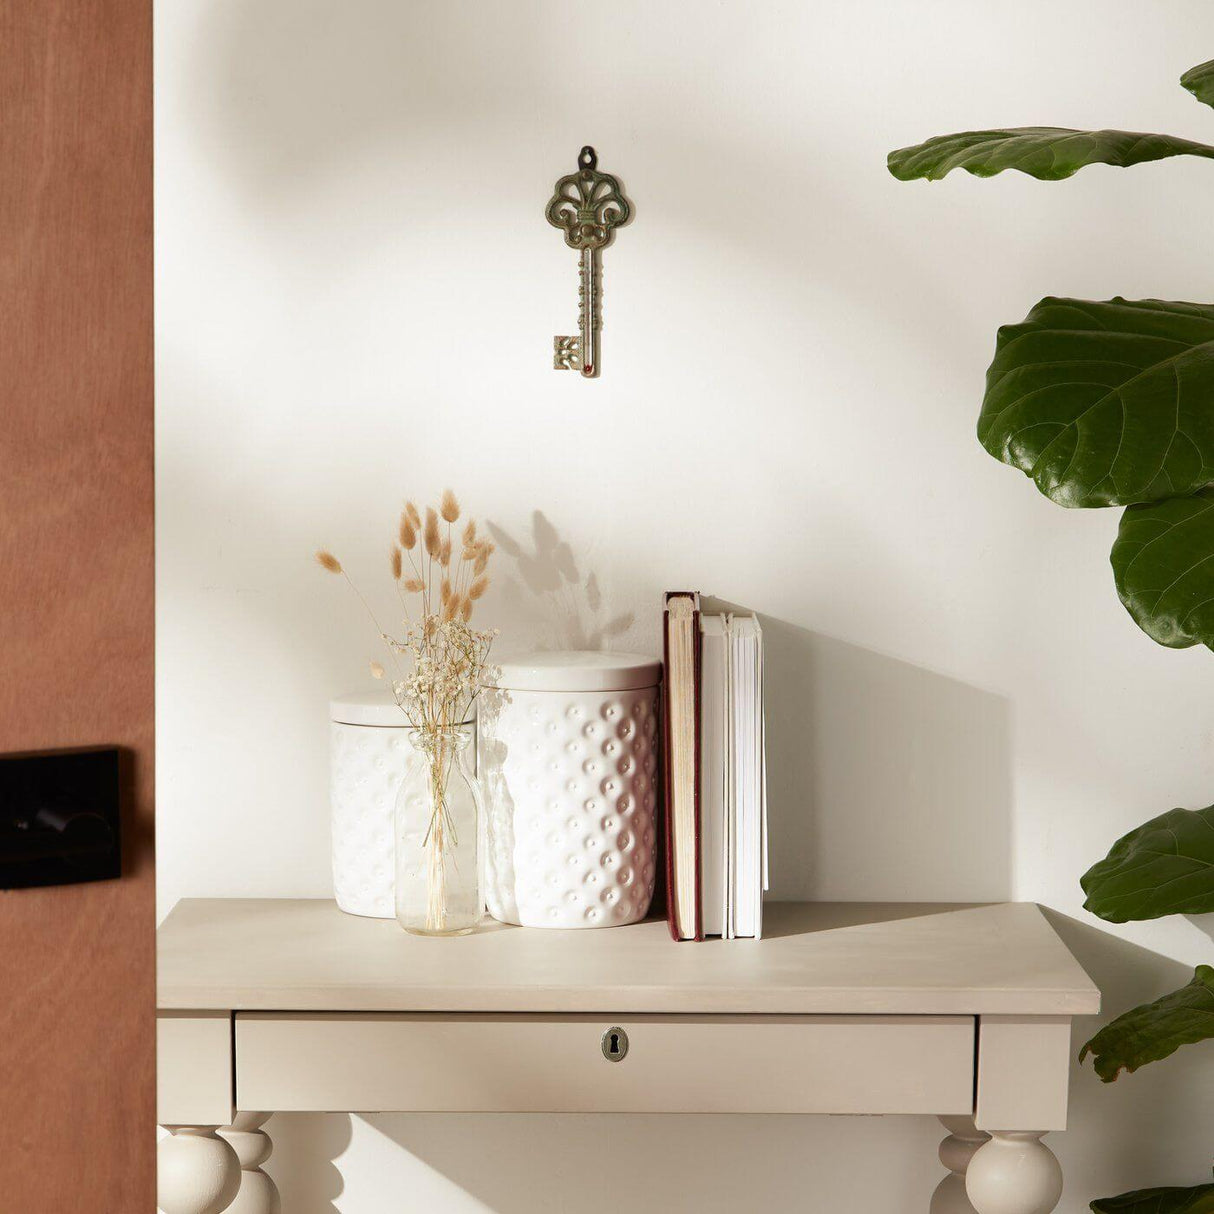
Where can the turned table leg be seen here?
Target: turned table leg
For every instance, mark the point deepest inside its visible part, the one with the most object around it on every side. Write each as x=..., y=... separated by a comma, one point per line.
x=956, y=1151
x=197, y=1172
x=258, y=1193
x=1014, y=1173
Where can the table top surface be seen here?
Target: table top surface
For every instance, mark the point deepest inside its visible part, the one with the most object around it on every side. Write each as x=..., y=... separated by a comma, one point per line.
x=815, y=958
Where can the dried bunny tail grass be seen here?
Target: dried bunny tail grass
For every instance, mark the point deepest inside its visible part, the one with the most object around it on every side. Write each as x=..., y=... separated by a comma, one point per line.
x=470, y=533
x=465, y=610
x=469, y=553
x=331, y=564
x=408, y=532
x=445, y=591
x=396, y=563
x=484, y=550
x=377, y=671
x=449, y=506
x=478, y=588
x=444, y=554
x=414, y=517
x=430, y=535
x=482, y=561
x=414, y=585
x=449, y=608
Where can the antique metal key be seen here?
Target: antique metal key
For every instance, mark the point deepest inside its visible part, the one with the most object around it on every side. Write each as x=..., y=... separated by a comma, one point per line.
x=587, y=206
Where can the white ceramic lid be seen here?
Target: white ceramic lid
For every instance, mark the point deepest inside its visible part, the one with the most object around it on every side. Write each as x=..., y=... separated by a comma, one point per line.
x=376, y=706
x=579, y=670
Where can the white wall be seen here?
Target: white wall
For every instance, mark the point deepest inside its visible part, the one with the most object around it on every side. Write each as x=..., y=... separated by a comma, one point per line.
x=357, y=293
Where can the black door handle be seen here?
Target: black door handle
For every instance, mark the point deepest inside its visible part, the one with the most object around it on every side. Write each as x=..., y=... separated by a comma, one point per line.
x=60, y=820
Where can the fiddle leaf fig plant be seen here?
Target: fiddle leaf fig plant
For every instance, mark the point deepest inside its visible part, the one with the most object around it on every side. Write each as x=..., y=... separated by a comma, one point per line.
x=1111, y=403
x=1155, y=1030
x=1162, y=568
x=1048, y=153
x=1160, y=1201
x=1199, y=81
x=1165, y=867
x=1075, y=380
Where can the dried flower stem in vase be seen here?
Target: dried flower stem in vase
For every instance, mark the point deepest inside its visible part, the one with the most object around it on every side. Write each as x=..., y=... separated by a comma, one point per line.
x=439, y=666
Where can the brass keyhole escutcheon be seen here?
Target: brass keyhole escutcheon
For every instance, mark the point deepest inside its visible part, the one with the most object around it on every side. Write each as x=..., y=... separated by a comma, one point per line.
x=614, y=1044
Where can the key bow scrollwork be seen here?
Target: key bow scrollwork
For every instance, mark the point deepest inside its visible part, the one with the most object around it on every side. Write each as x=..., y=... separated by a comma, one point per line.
x=588, y=205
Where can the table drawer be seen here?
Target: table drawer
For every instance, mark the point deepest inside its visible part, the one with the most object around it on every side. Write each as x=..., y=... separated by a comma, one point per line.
x=674, y=1064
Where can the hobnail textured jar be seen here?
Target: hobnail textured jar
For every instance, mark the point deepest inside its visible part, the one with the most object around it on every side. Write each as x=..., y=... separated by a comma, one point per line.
x=369, y=751
x=569, y=771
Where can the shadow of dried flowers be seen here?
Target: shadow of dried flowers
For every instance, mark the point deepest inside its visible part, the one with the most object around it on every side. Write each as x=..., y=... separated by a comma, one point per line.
x=571, y=605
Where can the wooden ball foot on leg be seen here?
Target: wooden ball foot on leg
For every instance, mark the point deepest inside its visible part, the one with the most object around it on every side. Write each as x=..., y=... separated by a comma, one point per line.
x=258, y=1193
x=197, y=1172
x=956, y=1151
x=1014, y=1173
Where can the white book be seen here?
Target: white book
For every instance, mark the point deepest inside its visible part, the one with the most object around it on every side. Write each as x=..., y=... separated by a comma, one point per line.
x=713, y=724
x=743, y=879
x=733, y=776
x=750, y=792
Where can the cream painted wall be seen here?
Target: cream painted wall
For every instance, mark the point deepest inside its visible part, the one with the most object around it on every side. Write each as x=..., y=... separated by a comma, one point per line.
x=356, y=299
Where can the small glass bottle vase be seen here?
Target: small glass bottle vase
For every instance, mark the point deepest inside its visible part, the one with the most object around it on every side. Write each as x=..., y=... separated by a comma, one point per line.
x=437, y=812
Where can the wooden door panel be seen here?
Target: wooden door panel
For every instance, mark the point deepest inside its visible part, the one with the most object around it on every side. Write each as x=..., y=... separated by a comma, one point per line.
x=77, y=1032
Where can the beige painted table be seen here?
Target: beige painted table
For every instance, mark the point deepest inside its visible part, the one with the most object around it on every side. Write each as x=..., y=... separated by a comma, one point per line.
x=958, y=1012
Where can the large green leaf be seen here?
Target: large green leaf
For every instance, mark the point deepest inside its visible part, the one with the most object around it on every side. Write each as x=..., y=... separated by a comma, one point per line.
x=1049, y=153
x=1155, y=1030
x=1199, y=81
x=1199, y=1200
x=1165, y=867
x=1105, y=403
x=1163, y=565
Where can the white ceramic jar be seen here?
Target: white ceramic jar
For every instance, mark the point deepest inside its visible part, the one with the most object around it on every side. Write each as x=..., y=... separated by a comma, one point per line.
x=569, y=767
x=369, y=749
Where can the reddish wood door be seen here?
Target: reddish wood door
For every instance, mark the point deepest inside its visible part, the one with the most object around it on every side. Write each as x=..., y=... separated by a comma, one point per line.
x=77, y=1101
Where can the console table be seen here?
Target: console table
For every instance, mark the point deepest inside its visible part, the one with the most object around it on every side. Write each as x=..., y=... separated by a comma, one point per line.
x=961, y=1012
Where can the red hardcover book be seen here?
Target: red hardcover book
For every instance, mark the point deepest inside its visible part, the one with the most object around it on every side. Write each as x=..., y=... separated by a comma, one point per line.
x=681, y=764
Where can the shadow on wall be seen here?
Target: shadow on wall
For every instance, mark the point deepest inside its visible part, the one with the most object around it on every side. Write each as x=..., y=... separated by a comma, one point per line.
x=549, y=588
x=303, y=1160
x=861, y=746
x=472, y=1163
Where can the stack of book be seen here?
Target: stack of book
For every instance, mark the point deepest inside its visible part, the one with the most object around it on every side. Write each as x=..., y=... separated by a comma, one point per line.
x=715, y=767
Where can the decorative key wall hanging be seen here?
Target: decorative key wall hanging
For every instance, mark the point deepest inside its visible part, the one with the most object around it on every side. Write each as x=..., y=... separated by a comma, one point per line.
x=587, y=206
